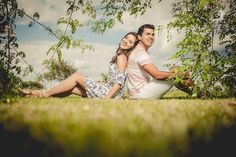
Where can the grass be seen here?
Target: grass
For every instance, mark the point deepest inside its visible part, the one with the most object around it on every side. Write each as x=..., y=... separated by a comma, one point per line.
x=91, y=127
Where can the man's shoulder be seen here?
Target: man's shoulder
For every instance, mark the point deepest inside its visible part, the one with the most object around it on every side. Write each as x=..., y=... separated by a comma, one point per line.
x=139, y=49
x=139, y=52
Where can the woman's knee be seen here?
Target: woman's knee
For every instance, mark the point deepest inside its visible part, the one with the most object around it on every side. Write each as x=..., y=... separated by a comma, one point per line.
x=80, y=78
x=77, y=74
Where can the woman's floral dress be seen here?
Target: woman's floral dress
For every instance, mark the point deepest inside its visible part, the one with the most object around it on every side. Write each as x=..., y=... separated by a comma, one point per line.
x=95, y=89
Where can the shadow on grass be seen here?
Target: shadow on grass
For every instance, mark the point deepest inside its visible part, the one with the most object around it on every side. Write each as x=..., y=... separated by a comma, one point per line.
x=222, y=145
x=21, y=144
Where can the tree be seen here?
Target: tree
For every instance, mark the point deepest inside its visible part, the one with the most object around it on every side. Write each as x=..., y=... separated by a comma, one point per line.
x=58, y=70
x=103, y=14
x=31, y=85
x=9, y=57
x=227, y=34
x=200, y=21
x=212, y=69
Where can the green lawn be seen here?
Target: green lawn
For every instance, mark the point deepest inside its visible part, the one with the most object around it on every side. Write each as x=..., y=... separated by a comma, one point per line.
x=91, y=127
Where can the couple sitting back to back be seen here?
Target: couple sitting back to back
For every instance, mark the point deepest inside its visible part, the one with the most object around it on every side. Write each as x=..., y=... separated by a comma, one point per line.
x=131, y=63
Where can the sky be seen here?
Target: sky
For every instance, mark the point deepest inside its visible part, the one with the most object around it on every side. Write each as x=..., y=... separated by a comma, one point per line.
x=35, y=41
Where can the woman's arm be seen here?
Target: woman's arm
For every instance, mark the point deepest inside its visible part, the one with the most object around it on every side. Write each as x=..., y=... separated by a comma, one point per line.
x=121, y=64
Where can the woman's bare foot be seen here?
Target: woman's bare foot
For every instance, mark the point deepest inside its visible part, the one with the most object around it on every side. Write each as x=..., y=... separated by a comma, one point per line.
x=33, y=93
x=24, y=92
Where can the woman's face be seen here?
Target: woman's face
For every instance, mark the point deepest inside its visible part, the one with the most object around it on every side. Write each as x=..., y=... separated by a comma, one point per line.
x=128, y=42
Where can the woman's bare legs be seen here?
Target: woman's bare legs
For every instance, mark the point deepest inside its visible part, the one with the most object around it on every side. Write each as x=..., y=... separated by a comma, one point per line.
x=79, y=91
x=75, y=84
x=68, y=85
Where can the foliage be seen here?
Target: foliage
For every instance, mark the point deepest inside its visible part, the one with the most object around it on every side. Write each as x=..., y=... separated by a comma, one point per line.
x=103, y=14
x=68, y=40
x=104, y=78
x=65, y=40
x=202, y=21
x=31, y=85
x=211, y=68
x=92, y=127
x=228, y=36
x=9, y=56
x=58, y=70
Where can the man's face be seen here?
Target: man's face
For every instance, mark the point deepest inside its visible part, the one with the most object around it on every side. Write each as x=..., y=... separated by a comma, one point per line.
x=147, y=38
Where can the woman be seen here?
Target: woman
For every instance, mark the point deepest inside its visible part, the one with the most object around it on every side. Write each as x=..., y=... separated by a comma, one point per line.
x=78, y=84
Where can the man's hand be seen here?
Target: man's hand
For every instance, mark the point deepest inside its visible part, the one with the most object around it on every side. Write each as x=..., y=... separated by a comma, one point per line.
x=173, y=71
x=155, y=73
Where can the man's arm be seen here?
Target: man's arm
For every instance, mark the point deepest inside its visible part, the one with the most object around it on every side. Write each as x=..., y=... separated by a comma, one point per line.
x=155, y=73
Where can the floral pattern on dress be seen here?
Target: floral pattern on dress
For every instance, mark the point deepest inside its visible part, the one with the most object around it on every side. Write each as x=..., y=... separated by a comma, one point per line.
x=95, y=89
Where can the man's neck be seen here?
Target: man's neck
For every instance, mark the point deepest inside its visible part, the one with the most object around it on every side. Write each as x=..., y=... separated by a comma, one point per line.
x=143, y=46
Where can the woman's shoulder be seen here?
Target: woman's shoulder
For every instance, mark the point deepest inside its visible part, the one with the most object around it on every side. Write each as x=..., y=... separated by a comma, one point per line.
x=122, y=57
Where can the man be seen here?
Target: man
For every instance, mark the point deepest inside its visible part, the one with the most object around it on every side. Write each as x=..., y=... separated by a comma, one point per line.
x=144, y=80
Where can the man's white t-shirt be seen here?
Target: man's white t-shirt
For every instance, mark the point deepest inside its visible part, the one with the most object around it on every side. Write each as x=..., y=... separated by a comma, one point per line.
x=136, y=77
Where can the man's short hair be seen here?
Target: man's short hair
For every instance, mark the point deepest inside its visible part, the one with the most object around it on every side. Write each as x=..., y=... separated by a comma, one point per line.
x=141, y=29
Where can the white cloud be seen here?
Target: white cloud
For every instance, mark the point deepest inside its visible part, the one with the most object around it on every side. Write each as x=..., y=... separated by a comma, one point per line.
x=158, y=14
x=162, y=50
x=49, y=10
x=90, y=63
x=93, y=63
x=35, y=54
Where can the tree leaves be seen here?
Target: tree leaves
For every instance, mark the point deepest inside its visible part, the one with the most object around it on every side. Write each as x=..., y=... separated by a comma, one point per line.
x=58, y=70
x=36, y=15
x=201, y=22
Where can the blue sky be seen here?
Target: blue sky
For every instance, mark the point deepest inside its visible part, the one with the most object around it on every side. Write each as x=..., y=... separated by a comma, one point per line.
x=37, y=33
x=35, y=41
